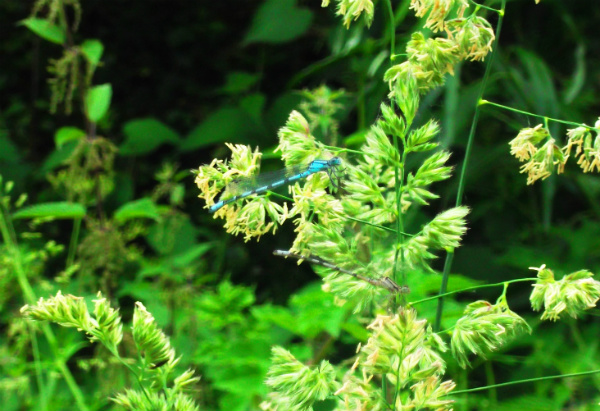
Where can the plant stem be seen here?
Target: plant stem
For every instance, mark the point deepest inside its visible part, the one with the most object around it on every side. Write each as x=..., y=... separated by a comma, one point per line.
x=30, y=298
x=73, y=242
x=463, y=172
x=505, y=384
x=483, y=102
x=392, y=27
x=38, y=368
x=519, y=280
x=489, y=374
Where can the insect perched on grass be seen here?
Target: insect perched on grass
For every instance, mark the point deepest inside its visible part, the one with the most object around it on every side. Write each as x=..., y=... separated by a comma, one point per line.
x=383, y=282
x=261, y=183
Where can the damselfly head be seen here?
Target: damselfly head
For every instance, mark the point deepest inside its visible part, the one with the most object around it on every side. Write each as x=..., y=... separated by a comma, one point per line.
x=335, y=161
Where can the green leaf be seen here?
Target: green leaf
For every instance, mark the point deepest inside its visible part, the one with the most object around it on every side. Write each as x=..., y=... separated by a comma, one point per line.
x=279, y=111
x=173, y=234
x=92, y=50
x=143, y=208
x=239, y=82
x=228, y=124
x=254, y=105
x=65, y=134
x=45, y=29
x=97, y=102
x=58, y=157
x=175, y=263
x=577, y=80
x=144, y=135
x=278, y=21
x=8, y=150
x=61, y=210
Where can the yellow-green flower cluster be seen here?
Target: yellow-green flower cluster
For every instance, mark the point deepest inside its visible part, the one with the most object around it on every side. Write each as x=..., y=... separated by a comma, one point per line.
x=150, y=340
x=541, y=160
x=444, y=232
x=353, y=9
x=296, y=386
x=429, y=60
x=255, y=216
x=405, y=351
x=572, y=295
x=485, y=328
x=587, y=147
x=543, y=157
x=71, y=311
x=438, y=11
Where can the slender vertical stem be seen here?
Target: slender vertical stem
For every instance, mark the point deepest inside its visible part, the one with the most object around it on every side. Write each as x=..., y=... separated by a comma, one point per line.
x=73, y=242
x=491, y=380
x=463, y=172
x=30, y=298
x=43, y=390
x=392, y=27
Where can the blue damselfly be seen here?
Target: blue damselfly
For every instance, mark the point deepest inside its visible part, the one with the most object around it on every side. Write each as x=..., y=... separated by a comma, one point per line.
x=244, y=187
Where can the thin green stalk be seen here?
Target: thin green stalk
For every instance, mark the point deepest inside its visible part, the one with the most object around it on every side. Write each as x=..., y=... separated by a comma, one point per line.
x=343, y=150
x=477, y=287
x=30, y=298
x=391, y=230
x=398, y=174
x=505, y=384
x=43, y=390
x=139, y=377
x=399, y=183
x=489, y=374
x=484, y=7
x=73, y=242
x=461, y=184
x=392, y=27
x=483, y=102
x=361, y=103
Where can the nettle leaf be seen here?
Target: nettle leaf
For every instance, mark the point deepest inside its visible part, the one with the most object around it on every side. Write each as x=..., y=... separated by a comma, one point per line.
x=58, y=157
x=228, y=124
x=45, y=29
x=143, y=208
x=239, y=82
x=65, y=134
x=8, y=150
x=97, y=102
x=278, y=21
x=92, y=50
x=58, y=210
x=144, y=135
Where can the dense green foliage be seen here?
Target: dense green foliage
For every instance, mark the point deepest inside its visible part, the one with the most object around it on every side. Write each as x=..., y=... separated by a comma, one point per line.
x=465, y=160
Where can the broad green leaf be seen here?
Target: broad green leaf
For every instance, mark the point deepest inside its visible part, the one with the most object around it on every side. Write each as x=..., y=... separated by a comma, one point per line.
x=59, y=210
x=278, y=21
x=143, y=208
x=174, y=264
x=58, y=156
x=279, y=111
x=254, y=105
x=144, y=135
x=578, y=78
x=65, y=134
x=228, y=124
x=146, y=292
x=8, y=150
x=45, y=29
x=173, y=234
x=97, y=102
x=239, y=82
x=92, y=50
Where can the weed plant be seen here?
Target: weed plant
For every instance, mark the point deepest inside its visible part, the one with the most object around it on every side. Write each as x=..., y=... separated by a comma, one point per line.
x=376, y=224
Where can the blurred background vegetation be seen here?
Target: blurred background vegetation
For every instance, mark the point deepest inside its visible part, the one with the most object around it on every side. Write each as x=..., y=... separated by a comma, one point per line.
x=189, y=76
